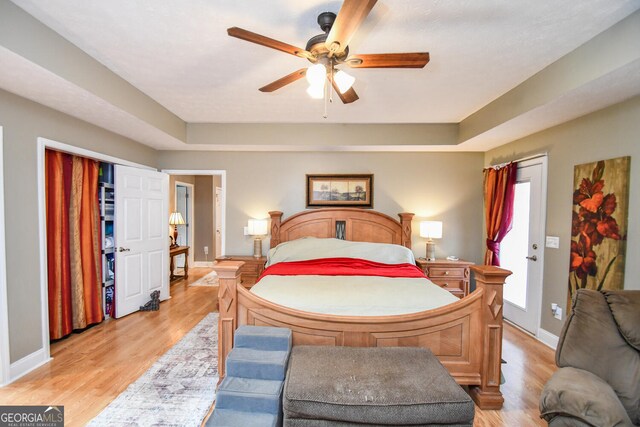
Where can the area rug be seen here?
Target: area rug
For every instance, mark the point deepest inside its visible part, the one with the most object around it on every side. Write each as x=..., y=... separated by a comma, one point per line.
x=178, y=390
x=210, y=279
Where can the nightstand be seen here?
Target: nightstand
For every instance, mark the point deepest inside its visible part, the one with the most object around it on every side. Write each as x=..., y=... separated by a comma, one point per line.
x=251, y=270
x=450, y=275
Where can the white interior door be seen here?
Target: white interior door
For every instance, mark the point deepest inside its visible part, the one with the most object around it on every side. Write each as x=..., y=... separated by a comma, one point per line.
x=218, y=223
x=522, y=249
x=142, y=245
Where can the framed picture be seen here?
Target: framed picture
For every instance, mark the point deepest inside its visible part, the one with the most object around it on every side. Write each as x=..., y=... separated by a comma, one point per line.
x=354, y=191
x=599, y=225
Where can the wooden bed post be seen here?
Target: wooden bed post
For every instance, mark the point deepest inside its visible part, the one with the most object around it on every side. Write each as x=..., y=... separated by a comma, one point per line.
x=491, y=280
x=405, y=223
x=228, y=279
x=276, y=220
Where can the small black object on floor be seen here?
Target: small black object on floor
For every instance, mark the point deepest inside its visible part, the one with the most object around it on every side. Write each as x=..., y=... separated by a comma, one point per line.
x=154, y=304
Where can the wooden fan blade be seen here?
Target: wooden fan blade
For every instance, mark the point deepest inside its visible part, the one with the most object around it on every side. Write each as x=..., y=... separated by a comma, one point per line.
x=268, y=42
x=348, y=97
x=351, y=15
x=389, y=60
x=290, y=78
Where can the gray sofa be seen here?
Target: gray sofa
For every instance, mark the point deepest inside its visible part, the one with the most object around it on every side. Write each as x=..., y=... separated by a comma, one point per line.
x=598, y=383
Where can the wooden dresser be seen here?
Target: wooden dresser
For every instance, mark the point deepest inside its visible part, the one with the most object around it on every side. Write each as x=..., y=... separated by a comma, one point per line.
x=251, y=270
x=450, y=275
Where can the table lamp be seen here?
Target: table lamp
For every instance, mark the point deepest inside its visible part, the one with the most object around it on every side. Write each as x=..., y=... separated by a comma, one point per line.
x=175, y=219
x=258, y=229
x=431, y=230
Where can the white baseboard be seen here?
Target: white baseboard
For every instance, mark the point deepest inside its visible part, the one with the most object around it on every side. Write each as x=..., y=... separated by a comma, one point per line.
x=203, y=264
x=27, y=364
x=548, y=338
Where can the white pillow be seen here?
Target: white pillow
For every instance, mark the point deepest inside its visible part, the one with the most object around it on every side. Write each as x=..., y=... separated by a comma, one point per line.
x=313, y=248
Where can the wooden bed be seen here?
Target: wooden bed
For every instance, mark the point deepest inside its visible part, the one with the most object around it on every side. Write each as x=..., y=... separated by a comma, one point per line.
x=466, y=336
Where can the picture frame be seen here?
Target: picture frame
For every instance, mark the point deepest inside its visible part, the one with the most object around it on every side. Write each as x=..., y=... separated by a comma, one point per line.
x=346, y=190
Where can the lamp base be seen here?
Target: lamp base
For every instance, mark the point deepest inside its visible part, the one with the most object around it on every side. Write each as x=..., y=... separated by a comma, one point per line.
x=431, y=250
x=257, y=248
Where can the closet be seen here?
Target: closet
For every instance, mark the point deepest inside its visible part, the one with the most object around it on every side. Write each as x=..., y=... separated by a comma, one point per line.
x=107, y=240
x=106, y=198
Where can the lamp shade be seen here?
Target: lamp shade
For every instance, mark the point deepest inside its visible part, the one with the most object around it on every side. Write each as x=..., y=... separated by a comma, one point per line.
x=431, y=229
x=257, y=227
x=176, y=219
x=344, y=81
x=316, y=75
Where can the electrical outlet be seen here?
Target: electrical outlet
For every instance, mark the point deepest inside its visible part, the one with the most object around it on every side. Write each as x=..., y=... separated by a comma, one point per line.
x=558, y=313
x=206, y=250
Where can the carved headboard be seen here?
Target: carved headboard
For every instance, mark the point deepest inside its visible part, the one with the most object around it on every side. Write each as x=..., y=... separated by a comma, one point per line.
x=345, y=223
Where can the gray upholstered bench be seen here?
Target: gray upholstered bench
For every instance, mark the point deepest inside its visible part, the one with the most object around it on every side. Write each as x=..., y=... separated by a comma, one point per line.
x=344, y=386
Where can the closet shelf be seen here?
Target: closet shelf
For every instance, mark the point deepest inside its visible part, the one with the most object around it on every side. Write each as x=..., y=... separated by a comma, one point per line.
x=108, y=251
x=108, y=283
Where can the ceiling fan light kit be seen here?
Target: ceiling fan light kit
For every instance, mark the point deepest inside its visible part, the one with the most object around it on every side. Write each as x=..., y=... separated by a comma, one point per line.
x=326, y=51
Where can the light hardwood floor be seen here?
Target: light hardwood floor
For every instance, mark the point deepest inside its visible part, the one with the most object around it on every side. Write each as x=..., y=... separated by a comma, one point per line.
x=90, y=369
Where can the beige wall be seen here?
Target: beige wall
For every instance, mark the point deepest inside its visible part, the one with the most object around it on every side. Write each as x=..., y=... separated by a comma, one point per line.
x=24, y=121
x=445, y=186
x=608, y=133
x=203, y=213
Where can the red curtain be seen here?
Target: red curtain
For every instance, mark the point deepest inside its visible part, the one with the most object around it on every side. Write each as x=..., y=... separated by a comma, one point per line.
x=499, y=191
x=73, y=243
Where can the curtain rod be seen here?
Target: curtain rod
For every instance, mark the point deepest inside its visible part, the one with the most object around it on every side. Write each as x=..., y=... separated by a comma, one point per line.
x=523, y=159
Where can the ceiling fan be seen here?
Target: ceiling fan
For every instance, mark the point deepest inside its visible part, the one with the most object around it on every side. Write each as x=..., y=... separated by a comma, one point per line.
x=328, y=50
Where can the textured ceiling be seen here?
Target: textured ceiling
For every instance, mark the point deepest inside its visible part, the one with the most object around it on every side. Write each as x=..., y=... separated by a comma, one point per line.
x=179, y=54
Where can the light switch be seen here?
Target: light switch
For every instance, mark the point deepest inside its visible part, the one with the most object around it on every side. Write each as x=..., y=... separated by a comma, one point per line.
x=553, y=242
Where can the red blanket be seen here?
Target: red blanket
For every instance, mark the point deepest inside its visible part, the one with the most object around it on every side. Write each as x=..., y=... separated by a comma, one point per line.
x=342, y=267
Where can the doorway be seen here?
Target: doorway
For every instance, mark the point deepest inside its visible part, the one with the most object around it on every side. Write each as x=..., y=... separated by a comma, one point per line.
x=218, y=214
x=209, y=240
x=522, y=249
x=184, y=204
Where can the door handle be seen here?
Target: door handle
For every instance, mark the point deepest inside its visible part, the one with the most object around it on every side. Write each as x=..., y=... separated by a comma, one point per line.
x=121, y=249
x=533, y=258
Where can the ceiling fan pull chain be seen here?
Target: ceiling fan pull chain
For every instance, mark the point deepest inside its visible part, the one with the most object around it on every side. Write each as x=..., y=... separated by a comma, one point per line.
x=326, y=97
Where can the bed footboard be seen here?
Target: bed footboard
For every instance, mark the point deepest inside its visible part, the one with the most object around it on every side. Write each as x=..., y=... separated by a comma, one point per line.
x=466, y=336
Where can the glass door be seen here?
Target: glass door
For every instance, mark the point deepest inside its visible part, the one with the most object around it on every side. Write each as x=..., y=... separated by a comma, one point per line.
x=521, y=250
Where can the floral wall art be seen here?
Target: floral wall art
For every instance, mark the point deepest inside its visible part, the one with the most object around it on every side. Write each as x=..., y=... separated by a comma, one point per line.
x=599, y=225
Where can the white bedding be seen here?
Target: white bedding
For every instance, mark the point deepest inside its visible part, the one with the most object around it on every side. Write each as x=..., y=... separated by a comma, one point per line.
x=353, y=295
x=313, y=248
x=349, y=295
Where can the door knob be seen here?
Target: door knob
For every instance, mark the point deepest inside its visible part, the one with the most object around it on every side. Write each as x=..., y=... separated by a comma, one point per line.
x=121, y=249
x=533, y=258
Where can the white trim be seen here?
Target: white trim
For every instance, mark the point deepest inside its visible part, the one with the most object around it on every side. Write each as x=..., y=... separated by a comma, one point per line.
x=192, y=217
x=547, y=338
x=5, y=355
x=28, y=363
x=61, y=146
x=42, y=237
x=42, y=144
x=223, y=185
x=203, y=264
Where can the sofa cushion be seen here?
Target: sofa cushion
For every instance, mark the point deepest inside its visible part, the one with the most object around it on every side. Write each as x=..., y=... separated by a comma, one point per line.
x=625, y=307
x=580, y=394
x=380, y=386
x=590, y=340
